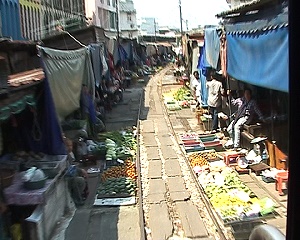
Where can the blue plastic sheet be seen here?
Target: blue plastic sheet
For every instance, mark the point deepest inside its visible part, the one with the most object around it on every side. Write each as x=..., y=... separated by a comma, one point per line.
x=212, y=47
x=202, y=65
x=260, y=59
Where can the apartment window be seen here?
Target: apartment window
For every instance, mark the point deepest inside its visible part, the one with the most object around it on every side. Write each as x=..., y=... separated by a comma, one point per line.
x=108, y=2
x=113, y=20
x=128, y=17
x=114, y=3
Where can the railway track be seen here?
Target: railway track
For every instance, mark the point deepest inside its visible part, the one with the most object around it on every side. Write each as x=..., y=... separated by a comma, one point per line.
x=220, y=228
x=215, y=225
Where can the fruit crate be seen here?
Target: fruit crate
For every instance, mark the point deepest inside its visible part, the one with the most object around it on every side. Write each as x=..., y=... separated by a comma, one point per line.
x=189, y=137
x=208, y=137
x=195, y=148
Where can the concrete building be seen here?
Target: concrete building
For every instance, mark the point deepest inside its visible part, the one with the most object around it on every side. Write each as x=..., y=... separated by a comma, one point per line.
x=128, y=20
x=103, y=13
x=40, y=18
x=148, y=26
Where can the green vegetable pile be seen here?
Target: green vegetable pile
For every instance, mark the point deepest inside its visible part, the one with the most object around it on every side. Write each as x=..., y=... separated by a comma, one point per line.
x=117, y=186
x=182, y=94
x=119, y=145
x=111, y=153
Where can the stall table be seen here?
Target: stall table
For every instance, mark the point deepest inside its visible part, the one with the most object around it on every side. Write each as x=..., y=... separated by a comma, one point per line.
x=50, y=200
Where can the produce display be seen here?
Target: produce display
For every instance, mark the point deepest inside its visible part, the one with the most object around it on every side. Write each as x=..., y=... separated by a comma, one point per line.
x=117, y=186
x=111, y=153
x=119, y=180
x=230, y=197
x=124, y=170
x=178, y=99
x=182, y=94
x=201, y=158
x=118, y=144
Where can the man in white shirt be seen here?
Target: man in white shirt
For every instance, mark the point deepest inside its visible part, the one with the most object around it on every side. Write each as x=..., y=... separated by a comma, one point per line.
x=215, y=91
x=196, y=87
x=194, y=83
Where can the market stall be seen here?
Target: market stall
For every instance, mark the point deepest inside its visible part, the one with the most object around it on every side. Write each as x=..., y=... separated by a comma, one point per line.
x=118, y=177
x=31, y=142
x=218, y=172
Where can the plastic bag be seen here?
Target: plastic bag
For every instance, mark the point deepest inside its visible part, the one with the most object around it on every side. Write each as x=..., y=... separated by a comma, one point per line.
x=16, y=231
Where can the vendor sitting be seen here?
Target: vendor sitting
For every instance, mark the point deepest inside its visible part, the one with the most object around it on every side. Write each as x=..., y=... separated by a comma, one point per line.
x=76, y=177
x=247, y=108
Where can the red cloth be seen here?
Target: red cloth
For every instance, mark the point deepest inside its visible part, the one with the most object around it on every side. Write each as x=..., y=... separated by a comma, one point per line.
x=111, y=62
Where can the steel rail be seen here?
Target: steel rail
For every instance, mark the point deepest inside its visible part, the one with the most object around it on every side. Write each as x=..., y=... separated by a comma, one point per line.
x=216, y=220
x=138, y=169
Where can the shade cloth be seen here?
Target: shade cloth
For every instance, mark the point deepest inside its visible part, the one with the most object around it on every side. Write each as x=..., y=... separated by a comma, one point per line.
x=260, y=58
x=67, y=71
x=202, y=65
x=212, y=46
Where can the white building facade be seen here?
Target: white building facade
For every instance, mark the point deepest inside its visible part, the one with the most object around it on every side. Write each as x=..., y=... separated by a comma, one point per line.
x=128, y=20
x=102, y=13
x=148, y=26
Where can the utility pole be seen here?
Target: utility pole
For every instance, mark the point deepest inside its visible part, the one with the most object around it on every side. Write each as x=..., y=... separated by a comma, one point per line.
x=154, y=30
x=117, y=20
x=181, y=31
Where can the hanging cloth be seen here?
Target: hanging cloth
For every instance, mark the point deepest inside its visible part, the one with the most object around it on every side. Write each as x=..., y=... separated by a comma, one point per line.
x=96, y=62
x=212, y=47
x=223, y=55
x=104, y=61
x=67, y=71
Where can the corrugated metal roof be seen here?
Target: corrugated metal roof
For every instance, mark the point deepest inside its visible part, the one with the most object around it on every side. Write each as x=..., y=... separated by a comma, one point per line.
x=250, y=6
x=127, y=6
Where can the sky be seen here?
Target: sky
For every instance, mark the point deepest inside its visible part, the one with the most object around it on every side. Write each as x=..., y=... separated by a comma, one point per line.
x=196, y=12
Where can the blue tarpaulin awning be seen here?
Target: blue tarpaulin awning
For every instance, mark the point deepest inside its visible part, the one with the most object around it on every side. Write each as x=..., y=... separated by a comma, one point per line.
x=260, y=58
x=212, y=47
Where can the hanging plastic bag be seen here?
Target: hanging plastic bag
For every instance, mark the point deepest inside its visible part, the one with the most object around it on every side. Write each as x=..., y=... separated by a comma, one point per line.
x=16, y=231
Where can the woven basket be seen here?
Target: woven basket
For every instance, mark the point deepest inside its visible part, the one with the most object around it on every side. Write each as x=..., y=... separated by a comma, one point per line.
x=6, y=177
